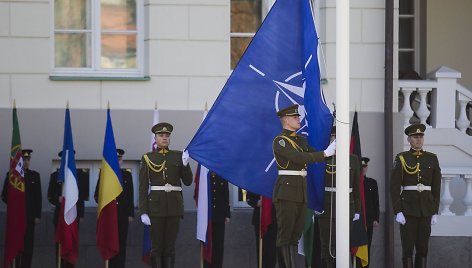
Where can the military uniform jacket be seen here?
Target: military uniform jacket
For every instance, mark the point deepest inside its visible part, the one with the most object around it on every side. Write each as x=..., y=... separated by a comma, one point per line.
x=157, y=169
x=55, y=190
x=330, y=181
x=411, y=168
x=219, y=198
x=33, y=194
x=371, y=196
x=124, y=201
x=292, y=152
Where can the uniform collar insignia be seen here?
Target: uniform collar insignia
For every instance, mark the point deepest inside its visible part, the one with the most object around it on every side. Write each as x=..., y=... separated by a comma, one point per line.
x=163, y=151
x=415, y=152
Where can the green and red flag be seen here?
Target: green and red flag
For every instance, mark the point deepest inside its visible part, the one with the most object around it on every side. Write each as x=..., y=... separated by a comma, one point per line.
x=16, y=209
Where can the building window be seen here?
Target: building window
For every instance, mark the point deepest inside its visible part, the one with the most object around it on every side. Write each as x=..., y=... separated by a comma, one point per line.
x=411, y=61
x=246, y=18
x=98, y=38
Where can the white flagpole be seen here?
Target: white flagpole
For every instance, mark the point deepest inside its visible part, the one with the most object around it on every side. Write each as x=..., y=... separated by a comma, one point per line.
x=342, y=133
x=154, y=122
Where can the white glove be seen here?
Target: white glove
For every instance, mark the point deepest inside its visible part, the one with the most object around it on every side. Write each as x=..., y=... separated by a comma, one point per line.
x=434, y=219
x=145, y=219
x=331, y=150
x=400, y=218
x=185, y=157
x=356, y=217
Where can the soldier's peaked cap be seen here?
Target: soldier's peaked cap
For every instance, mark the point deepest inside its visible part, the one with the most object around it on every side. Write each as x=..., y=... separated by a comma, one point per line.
x=415, y=129
x=365, y=161
x=162, y=128
x=26, y=152
x=120, y=152
x=289, y=111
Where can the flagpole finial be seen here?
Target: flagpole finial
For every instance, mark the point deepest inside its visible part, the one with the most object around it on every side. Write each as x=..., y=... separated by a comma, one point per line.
x=155, y=105
x=108, y=106
x=206, y=106
x=67, y=104
x=14, y=103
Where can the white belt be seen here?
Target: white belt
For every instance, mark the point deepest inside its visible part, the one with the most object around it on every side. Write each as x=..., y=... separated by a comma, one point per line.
x=293, y=172
x=419, y=187
x=333, y=189
x=167, y=188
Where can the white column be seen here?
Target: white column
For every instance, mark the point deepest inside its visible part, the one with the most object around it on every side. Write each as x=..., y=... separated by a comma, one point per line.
x=444, y=97
x=406, y=109
x=462, y=121
x=423, y=111
x=446, y=197
x=342, y=133
x=468, y=195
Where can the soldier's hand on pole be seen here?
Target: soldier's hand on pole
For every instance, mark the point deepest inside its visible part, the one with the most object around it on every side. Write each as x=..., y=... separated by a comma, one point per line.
x=356, y=217
x=434, y=219
x=400, y=218
x=145, y=219
x=185, y=157
x=331, y=150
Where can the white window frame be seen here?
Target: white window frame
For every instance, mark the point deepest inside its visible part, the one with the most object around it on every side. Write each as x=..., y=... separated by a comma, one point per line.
x=266, y=5
x=95, y=70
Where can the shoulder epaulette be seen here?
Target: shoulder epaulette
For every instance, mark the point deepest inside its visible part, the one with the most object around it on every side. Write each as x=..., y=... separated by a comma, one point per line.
x=430, y=153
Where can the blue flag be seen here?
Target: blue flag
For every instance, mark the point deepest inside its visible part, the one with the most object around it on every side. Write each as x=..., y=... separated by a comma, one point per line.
x=279, y=68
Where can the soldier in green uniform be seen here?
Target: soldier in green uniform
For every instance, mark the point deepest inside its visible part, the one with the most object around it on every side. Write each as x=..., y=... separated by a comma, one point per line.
x=292, y=154
x=161, y=203
x=415, y=189
x=327, y=220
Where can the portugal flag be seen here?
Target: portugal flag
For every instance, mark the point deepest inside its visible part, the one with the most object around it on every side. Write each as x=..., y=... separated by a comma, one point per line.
x=16, y=209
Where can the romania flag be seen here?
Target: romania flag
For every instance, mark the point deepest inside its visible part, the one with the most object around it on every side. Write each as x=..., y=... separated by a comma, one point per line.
x=109, y=188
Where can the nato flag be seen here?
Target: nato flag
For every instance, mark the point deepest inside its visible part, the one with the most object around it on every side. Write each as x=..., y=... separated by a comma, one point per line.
x=279, y=68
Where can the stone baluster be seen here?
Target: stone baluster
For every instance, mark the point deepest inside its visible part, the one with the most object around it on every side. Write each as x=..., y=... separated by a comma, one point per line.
x=446, y=197
x=462, y=121
x=443, y=99
x=406, y=109
x=468, y=195
x=423, y=111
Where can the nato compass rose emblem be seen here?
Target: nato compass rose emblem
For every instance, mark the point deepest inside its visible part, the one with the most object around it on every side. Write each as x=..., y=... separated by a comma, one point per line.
x=289, y=90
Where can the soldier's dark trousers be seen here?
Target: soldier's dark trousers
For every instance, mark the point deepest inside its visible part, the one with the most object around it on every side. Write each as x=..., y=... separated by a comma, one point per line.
x=156, y=262
x=119, y=260
x=24, y=259
x=290, y=221
x=164, y=232
x=328, y=263
x=218, y=241
x=286, y=256
x=415, y=235
x=407, y=262
x=327, y=237
x=316, y=252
